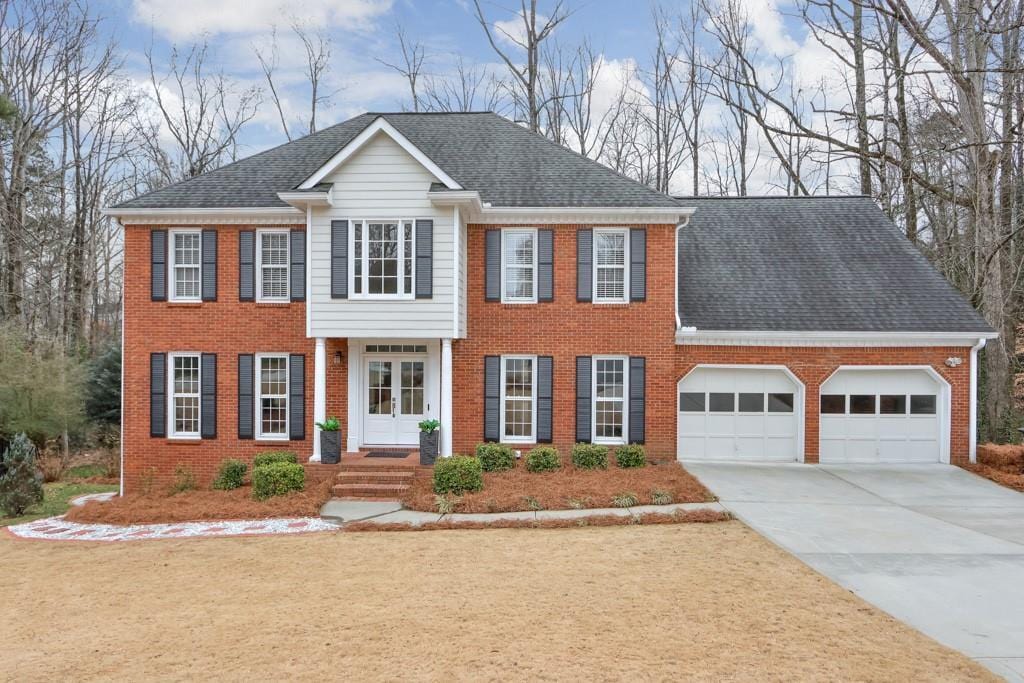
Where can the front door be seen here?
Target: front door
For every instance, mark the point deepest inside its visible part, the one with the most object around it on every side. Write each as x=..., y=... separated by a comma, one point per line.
x=395, y=400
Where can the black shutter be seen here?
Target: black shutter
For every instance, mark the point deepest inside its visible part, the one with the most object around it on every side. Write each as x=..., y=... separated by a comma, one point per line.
x=297, y=396
x=424, y=284
x=492, y=398
x=209, y=269
x=544, y=374
x=637, y=398
x=297, y=265
x=208, y=396
x=584, y=265
x=339, y=259
x=246, y=385
x=584, y=428
x=638, y=264
x=158, y=264
x=545, y=265
x=158, y=394
x=493, y=265
x=247, y=265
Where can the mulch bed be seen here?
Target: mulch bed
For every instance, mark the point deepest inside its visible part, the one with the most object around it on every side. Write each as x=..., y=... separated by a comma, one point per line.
x=518, y=490
x=1002, y=463
x=199, y=505
x=679, y=517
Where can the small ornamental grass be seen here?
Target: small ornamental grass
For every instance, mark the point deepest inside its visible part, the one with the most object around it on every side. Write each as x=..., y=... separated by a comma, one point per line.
x=589, y=456
x=543, y=459
x=277, y=479
x=631, y=455
x=625, y=500
x=661, y=497
x=458, y=474
x=494, y=457
x=231, y=475
x=270, y=457
x=184, y=479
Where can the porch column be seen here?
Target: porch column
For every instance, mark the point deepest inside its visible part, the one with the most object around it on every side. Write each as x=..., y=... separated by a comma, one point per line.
x=446, y=397
x=319, y=393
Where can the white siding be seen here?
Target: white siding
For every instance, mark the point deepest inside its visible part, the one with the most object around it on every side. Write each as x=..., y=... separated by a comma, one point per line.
x=381, y=181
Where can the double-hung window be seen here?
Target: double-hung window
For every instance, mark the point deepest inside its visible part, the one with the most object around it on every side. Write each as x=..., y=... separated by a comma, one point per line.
x=184, y=390
x=609, y=392
x=272, y=396
x=611, y=265
x=186, y=264
x=519, y=266
x=383, y=258
x=518, y=392
x=272, y=265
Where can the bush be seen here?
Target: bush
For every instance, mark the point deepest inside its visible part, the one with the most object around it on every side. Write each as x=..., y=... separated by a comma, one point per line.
x=458, y=474
x=184, y=479
x=52, y=465
x=590, y=456
x=630, y=456
x=494, y=457
x=21, y=486
x=661, y=497
x=277, y=479
x=543, y=459
x=231, y=475
x=271, y=457
x=625, y=500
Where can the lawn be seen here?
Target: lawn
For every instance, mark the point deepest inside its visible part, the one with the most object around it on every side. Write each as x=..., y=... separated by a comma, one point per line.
x=687, y=601
x=55, y=500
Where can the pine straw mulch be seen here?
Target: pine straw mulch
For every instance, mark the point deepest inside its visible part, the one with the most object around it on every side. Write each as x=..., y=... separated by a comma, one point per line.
x=201, y=505
x=647, y=518
x=1001, y=463
x=518, y=490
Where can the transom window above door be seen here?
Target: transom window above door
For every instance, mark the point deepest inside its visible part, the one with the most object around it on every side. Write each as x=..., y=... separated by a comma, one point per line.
x=383, y=260
x=519, y=266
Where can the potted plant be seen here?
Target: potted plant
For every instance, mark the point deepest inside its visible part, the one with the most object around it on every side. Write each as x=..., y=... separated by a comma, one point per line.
x=428, y=441
x=330, y=441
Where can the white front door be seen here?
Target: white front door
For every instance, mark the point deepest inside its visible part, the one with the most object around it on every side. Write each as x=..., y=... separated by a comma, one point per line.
x=395, y=400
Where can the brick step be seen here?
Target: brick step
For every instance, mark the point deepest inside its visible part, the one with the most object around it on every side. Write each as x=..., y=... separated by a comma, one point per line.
x=377, y=467
x=375, y=477
x=392, y=491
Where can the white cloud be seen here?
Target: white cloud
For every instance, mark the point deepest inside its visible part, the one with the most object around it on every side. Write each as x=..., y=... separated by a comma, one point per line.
x=769, y=28
x=184, y=19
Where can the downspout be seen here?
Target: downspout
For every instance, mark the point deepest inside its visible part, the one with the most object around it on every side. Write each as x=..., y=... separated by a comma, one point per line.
x=973, y=453
x=679, y=226
x=120, y=484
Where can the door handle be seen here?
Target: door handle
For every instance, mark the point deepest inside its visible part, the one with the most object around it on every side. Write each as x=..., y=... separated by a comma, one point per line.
x=392, y=406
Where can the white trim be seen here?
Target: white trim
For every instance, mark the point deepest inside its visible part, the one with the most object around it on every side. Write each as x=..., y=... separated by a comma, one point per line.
x=626, y=249
x=319, y=393
x=172, y=266
x=478, y=211
x=287, y=266
x=458, y=276
x=447, y=421
x=365, y=271
x=120, y=484
x=533, y=266
x=973, y=444
x=379, y=125
x=309, y=272
x=265, y=215
x=171, y=433
x=693, y=336
x=307, y=199
x=675, y=282
x=258, y=395
x=625, y=400
x=532, y=438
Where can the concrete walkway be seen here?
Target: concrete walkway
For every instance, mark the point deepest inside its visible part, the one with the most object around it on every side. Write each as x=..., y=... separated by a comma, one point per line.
x=933, y=545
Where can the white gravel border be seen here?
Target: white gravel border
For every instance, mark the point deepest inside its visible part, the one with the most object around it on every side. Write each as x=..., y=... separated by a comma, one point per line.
x=60, y=529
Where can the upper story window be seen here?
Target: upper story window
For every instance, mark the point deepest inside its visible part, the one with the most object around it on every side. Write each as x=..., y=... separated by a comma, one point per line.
x=186, y=263
x=383, y=258
x=609, y=392
x=272, y=396
x=518, y=388
x=272, y=265
x=519, y=266
x=184, y=390
x=611, y=266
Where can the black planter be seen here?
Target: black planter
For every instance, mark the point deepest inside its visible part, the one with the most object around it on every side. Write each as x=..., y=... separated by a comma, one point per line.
x=330, y=447
x=428, y=447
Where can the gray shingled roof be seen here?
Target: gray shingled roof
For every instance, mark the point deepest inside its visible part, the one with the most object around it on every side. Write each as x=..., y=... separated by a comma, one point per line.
x=810, y=264
x=504, y=162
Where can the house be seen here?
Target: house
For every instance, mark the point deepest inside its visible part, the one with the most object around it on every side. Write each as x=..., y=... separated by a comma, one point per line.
x=396, y=267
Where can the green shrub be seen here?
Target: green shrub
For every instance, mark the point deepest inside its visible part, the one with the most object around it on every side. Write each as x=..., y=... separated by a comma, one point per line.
x=231, y=475
x=458, y=474
x=495, y=457
x=271, y=457
x=21, y=485
x=543, y=459
x=631, y=455
x=590, y=456
x=625, y=500
x=277, y=479
x=184, y=479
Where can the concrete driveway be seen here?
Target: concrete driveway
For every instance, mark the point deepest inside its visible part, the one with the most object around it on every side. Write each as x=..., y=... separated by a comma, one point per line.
x=933, y=545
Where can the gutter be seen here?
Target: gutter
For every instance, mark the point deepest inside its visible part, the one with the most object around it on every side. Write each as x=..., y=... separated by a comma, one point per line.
x=679, y=226
x=973, y=444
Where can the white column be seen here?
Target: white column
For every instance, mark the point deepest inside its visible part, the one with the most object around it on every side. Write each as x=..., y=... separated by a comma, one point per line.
x=446, y=397
x=319, y=393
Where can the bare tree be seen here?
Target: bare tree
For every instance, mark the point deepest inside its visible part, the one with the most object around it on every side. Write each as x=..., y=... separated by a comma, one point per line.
x=316, y=45
x=468, y=88
x=413, y=55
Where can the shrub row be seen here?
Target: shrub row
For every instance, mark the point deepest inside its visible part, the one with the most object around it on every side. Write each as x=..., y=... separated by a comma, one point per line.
x=274, y=473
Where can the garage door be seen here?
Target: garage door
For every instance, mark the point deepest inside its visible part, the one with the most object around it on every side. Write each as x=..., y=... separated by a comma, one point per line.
x=889, y=416
x=738, y=414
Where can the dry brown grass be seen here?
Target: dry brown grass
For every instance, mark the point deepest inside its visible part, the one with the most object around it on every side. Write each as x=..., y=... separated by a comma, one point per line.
x=519, y=490
x=194, y=506
x=679, y=517
x=1001, y=463
x=670, y=602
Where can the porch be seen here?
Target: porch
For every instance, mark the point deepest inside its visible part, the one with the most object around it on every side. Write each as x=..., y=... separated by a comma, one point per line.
x=366, y=474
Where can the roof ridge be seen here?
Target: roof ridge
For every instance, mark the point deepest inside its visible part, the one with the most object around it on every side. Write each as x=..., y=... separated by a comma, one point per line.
x=774, y=196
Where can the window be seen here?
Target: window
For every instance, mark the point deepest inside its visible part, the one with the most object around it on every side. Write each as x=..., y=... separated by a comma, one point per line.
x=518, y=390
x=519, y=266
x=272, y=397
x=833, y=404
x=396, y=348
x=862, y=405
x=892, y=405
x=272, y=265
x=186, y=251
x=922, y=405
x=610, y=266
x=184, y=405
x=751, y=403
x=721, y=402
x=609, y=400
x=691, y=402
x=383, y=258
x=780, y=403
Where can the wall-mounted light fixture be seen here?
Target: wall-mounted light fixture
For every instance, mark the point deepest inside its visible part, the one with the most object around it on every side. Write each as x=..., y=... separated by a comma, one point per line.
x=954, y=361
x=338, y=357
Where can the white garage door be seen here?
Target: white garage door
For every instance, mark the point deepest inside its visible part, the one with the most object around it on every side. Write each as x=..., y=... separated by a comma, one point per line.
x=739, y=414
x=890, y=416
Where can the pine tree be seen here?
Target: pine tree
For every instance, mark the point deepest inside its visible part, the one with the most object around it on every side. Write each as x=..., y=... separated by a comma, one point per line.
x=21, y=485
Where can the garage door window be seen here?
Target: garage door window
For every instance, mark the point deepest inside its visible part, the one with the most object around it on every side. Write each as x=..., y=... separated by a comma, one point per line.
x=922, y=405
x=721, y=403
x=892, y=405
x=751, y=403
x=780, y=403
x=833, y=404
x=691, y=402
x=862, y=404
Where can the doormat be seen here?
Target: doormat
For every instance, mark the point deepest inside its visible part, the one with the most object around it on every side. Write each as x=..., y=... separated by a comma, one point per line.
x=388, y=454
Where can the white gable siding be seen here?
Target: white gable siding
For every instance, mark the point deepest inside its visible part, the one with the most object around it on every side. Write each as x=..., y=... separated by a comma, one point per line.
x=381, y=180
